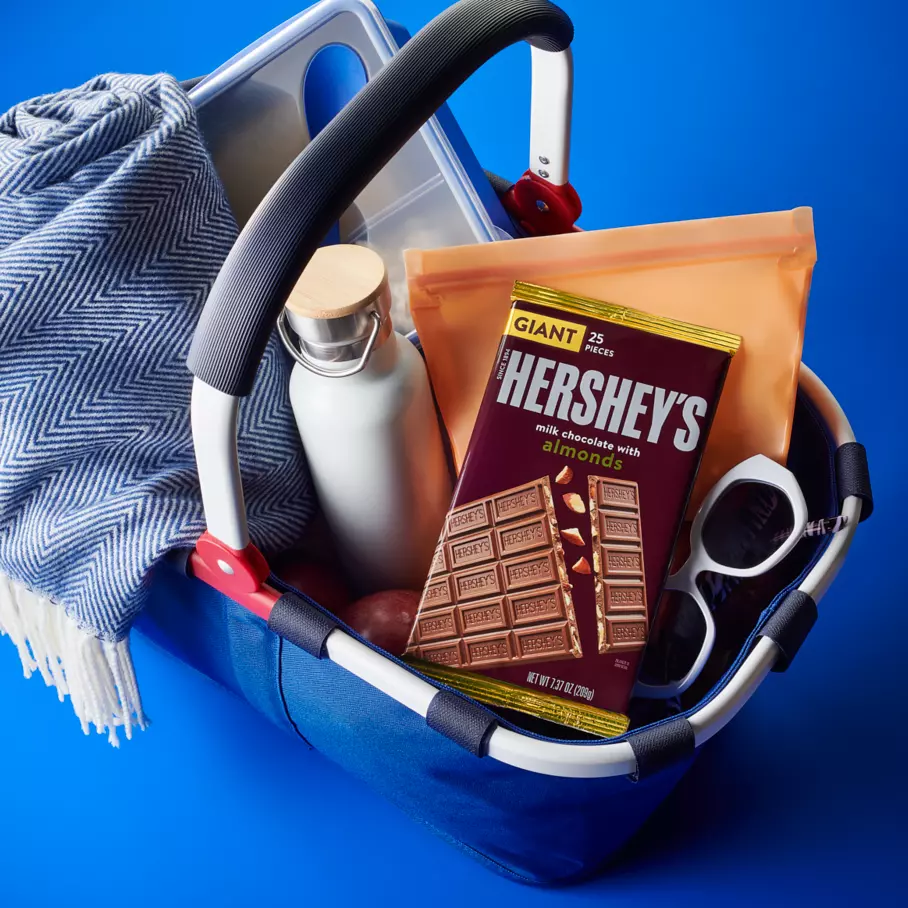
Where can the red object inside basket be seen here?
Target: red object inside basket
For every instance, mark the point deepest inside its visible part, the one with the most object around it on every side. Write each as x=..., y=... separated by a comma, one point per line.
x=241, y=575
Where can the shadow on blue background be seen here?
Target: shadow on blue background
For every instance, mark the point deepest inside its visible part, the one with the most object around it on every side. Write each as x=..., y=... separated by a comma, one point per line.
x=682, y=110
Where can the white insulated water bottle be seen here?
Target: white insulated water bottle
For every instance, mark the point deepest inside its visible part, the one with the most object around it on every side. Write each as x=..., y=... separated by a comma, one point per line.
x=364, y=409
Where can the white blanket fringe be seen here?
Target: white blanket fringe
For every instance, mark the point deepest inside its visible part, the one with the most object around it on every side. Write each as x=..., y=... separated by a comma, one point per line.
x=97, y=675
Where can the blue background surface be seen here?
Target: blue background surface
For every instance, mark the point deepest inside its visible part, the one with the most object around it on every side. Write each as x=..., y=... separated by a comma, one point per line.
x=682, y=110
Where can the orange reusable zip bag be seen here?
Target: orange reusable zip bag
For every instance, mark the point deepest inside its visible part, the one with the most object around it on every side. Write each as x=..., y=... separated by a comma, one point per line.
x=748, y=275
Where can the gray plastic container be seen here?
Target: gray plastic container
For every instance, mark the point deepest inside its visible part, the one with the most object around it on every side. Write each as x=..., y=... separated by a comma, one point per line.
x=256, y=114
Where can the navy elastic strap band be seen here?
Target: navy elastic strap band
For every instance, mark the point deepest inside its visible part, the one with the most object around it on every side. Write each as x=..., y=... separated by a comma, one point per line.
x=661, y=746
x=301, y=624
x=852, y=475
x=789, y=625
x=465, y=723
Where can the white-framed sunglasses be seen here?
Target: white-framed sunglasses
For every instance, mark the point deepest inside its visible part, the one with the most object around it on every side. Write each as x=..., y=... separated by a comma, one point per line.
x=750, y=521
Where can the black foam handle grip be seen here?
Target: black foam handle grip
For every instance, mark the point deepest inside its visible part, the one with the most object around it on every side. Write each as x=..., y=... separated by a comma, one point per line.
x=297, y=213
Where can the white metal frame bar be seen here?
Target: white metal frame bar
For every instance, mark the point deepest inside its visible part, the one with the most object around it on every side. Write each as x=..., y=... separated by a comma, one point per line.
x=551, y=109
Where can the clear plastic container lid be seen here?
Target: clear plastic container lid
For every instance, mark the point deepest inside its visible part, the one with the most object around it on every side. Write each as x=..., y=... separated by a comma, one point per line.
x=261, y=108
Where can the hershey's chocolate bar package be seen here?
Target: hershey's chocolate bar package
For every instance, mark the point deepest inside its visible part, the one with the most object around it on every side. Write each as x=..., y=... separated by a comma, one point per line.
x=563, y=522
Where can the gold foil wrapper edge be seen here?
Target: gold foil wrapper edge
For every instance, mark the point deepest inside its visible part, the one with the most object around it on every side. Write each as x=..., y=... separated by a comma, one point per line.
x=621, y=315
x=492, y=692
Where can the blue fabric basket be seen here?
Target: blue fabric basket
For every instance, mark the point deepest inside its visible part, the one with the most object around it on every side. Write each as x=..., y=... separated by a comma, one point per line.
x=534, y=827
x=540, y=810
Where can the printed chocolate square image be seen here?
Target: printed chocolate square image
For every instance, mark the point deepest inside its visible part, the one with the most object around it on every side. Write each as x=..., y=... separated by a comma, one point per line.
x=615, y=522
x=498, y=591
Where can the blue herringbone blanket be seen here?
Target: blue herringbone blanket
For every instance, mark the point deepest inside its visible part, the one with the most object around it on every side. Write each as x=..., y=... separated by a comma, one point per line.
x=113, y=225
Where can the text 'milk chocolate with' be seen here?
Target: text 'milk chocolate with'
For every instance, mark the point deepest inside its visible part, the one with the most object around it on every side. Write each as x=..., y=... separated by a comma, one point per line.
x=564, y=517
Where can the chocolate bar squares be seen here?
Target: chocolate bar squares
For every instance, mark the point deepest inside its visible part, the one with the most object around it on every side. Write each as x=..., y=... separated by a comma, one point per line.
x=498, y=591
x=621, y=609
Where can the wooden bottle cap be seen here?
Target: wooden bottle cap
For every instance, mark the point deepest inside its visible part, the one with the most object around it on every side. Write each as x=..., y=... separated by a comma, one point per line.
x=339, y=280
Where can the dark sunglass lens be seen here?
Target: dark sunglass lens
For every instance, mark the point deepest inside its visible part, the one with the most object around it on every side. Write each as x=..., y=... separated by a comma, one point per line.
x=747, y=525
x=677, y=639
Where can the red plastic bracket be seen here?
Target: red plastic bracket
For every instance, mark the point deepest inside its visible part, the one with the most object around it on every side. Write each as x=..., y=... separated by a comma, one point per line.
x=241, y=575
x=542, y=208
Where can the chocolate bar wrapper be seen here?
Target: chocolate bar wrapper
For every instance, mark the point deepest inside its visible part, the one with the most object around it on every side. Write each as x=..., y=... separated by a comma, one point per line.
x=568, y=506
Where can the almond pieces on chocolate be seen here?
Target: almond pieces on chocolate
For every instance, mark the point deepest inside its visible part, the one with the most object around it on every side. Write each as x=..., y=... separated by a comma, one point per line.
x=581, y=566
x=573, y=536
x=575, y=502
x=565, y=476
